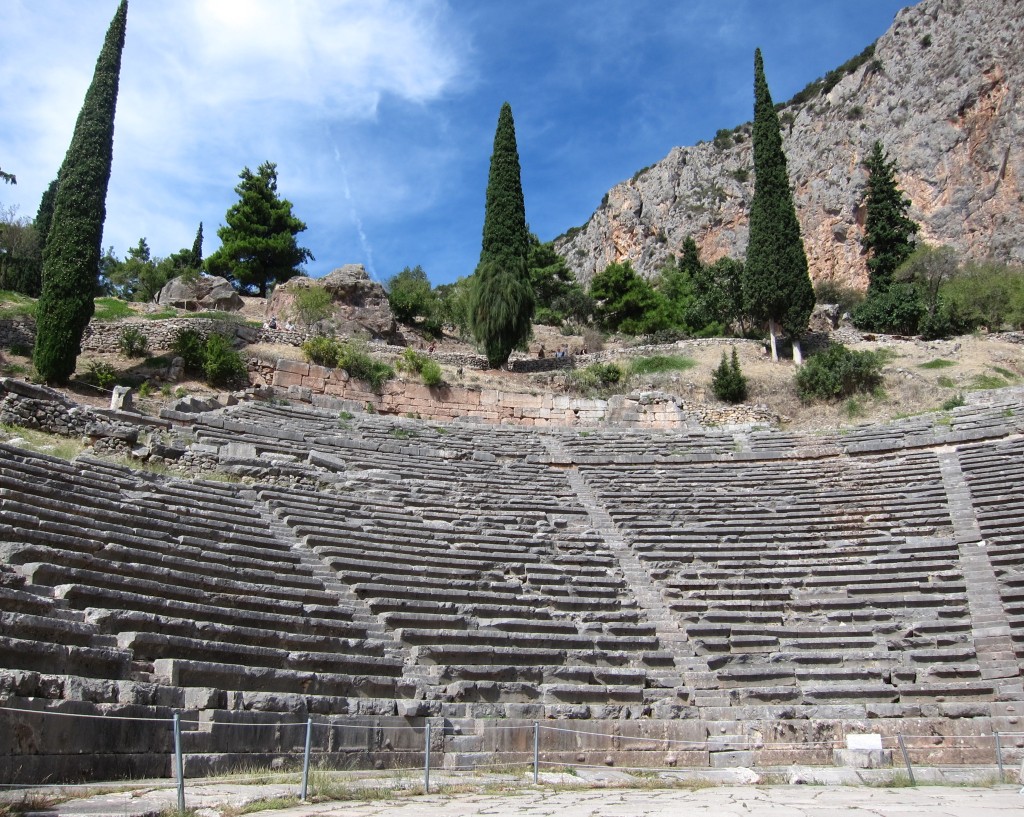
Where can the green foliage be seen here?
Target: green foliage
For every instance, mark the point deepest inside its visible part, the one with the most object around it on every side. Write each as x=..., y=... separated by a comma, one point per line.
x=956, y=401
x=946, y=382
x=72, y=252
x=132, y=343
x=888, y=231
x=222, y=365
x=418, y=363
x=258, y=246
x=723, y=139
x=595, y=377
x=111, y=309
x=354, y=357
x=312, y=304
x=501, y=297
x=898, y=310
x=987, y=294
x=658, y=364
x=101, y=374
x=139, y=277
x=188, y=344
x=776, y=284
x=21, y=255
x=988, y=381
x=555, y=290
x=410, y=295
x=323, y=351
x=727, y=381
x=452, y=308
x=829, y=292
x=626, y=303
x=839, y=372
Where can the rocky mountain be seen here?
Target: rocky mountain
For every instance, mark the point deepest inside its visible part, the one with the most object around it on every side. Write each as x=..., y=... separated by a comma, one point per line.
x=942, y=91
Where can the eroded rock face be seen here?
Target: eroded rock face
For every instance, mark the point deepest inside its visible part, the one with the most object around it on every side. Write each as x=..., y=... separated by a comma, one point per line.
x=208, y=292
x=360, y=303
x=943, y=94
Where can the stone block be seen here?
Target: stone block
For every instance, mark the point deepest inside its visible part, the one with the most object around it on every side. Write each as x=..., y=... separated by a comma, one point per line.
x=292, y=367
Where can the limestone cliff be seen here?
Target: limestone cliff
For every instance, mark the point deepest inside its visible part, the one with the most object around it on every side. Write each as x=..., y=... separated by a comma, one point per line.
x=943, y=93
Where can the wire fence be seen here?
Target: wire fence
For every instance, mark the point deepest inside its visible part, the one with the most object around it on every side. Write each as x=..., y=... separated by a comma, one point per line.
x=540, y=755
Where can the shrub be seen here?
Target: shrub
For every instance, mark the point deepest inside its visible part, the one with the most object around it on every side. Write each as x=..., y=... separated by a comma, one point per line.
x=312, y=304
x=594, y=377
x=593, y=340
x=132, y=342
x=355, y=359
x=222, y=365
x=728, y=382
x=546, y=317
x=956, y=401
x=101, y=374
x=322, y=351
x=839, y=372
x=898, y=310
x=188, y=344
x=413, y=361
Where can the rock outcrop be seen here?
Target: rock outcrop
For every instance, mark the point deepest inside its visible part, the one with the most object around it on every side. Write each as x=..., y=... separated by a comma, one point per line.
x=360, y=303
x=206, y=292
x=942, y=93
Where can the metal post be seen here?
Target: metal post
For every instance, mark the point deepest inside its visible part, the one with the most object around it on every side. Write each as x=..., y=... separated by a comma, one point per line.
x=305, y=759
x=999, y=757
x=906, y=759
x=179, y=766
x=536, y=752
x=426, y=760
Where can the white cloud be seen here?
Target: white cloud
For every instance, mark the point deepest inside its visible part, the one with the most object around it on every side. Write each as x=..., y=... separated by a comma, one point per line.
x=208, y=86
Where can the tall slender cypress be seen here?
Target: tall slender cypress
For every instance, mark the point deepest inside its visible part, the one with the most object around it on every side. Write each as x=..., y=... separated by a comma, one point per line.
x=888, y=230
x=501, y=305
x=776, y=284
x=197, y=247
x=73, y=245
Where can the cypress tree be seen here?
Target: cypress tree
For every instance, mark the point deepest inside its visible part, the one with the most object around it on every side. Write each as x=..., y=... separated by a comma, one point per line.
x=197, y=247
x=72, y=254
x=501, y=305
x=44, y=215
x=776, y=284
x=888, y=231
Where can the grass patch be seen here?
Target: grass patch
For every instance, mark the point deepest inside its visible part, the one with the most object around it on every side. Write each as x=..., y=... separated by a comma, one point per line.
x=42, y=442
x=16, y=305
x=111, y=309
x=164, y=314
x=1009, y=375
x=657, y=364
x=938, y=363
x=988, y=381
x=263, y=804
x=946, y=382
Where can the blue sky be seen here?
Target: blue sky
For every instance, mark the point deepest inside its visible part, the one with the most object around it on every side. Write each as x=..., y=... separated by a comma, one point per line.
x=380, y=114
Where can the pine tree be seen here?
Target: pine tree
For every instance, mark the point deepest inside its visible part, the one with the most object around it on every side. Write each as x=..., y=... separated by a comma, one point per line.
x=888, y=231
x=501, y=305
x=72, y=254
x=258, y=246
x=776, y=284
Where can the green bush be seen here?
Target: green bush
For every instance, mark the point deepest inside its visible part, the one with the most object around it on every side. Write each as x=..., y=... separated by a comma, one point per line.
x=322, y=351
x=354, y=358
x=829, y=292
x=132, y=342
x=728, y=382
x=222, y=365
x=546, y=317
x=312, y=304
x=839, y=372
x=419, y=363
x=898, y=310
x=101, y=374
x=188, y=344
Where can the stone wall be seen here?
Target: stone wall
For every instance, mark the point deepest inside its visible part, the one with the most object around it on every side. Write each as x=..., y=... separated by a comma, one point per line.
x=333, y=388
